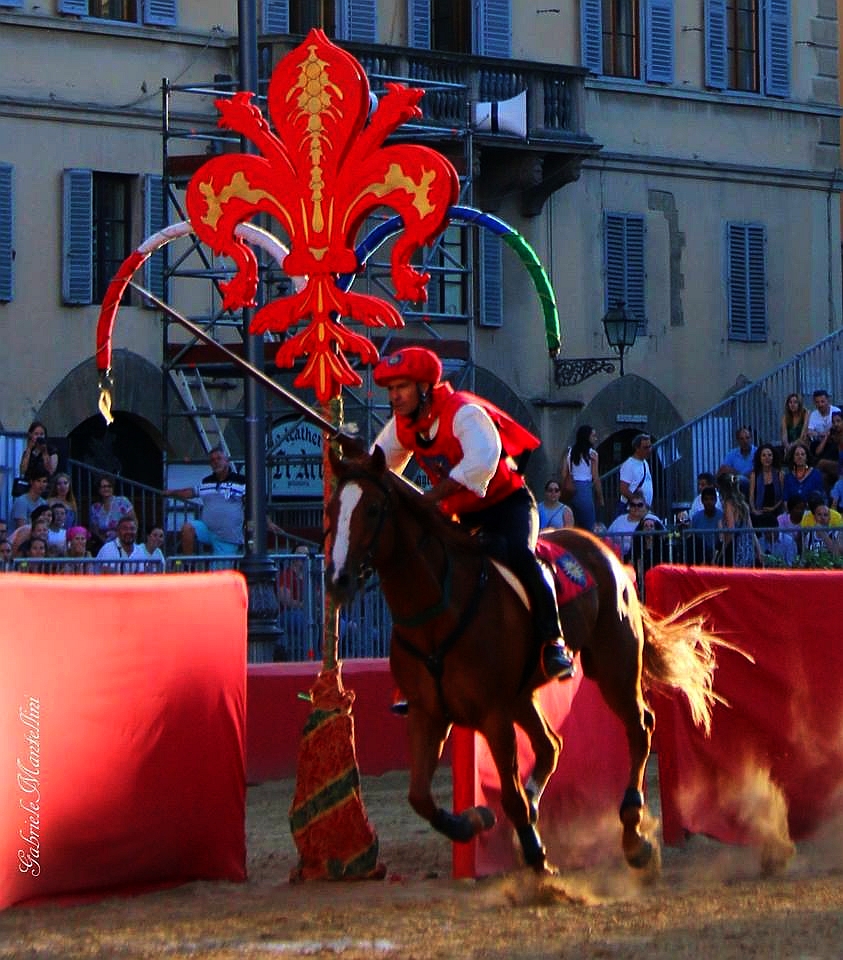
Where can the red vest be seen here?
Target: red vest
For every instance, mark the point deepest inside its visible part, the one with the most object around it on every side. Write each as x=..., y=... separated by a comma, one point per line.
x=438, y=457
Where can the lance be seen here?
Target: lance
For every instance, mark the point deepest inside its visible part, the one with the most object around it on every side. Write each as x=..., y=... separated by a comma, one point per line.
x=346, y=442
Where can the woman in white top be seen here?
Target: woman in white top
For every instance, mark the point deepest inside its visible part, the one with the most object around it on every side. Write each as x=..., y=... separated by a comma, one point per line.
x=581, y=463
x=153, y=542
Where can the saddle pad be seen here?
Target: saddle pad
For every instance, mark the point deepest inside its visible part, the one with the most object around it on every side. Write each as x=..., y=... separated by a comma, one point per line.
x=569, y=575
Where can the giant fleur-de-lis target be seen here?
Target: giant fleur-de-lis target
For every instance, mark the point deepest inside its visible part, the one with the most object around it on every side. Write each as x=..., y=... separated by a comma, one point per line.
x=321, y=169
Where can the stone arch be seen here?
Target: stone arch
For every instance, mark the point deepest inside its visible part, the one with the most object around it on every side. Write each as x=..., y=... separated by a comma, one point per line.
x=632, y=397
x=71, y=407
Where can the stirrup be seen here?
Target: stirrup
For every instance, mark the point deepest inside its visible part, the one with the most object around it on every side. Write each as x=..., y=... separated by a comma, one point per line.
x=557, y=661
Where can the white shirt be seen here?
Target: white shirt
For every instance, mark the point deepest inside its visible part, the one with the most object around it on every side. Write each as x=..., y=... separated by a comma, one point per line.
x=478, y=436
x=113, y=550
x=819, y=424
x=623, y=523
x=636, y=473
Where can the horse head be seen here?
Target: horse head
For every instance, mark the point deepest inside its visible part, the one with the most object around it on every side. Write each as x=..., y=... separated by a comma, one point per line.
x=356, y=515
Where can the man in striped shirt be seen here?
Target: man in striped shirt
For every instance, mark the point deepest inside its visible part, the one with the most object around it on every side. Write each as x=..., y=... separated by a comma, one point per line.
x=222, y=493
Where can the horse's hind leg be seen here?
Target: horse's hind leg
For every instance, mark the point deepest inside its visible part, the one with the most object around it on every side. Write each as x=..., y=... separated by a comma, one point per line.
x=500, y=735
x=427, y=738
x=546, y=744
x=619, y=679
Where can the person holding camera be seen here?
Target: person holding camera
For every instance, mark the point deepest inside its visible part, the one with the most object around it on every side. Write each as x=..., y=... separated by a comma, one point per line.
x=38, y=452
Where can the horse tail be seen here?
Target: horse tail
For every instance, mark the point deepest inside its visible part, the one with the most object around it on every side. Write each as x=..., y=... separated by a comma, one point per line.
x=679, y=654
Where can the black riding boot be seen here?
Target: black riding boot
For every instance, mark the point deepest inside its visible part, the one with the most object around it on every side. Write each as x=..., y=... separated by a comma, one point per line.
x=557, y=659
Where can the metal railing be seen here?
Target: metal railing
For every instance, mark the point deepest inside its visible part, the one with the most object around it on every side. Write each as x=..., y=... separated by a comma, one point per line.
x=702, y=443
x=365, y=625
x=555, y=92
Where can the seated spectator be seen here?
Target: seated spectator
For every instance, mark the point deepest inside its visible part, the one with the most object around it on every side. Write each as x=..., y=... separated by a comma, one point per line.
x=39, y=526
x=707, y=522
x=33, y=548
x=552, y=512
x=60, y=490
x=788, y=545
x=5, y=555
x=815, y=500
x=34, y=497
x=835, y=498
x=4, y=530
x=704, y=480
x=830, y=453
x=39, y=453
x=627, y=523
x=823, y=531
x=648, y=550
x=602, y=531
x=293, y=593
x=57, y=532
x=77, y=548
x=794, y=422
x=124, y=548
x=800, y=477
x=819, y=423
x=766, y=490
x=739, y=460
x=152, y=547
x=107, y=512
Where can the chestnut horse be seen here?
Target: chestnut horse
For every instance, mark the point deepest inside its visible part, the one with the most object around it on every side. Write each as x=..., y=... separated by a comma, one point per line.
x=463, y=649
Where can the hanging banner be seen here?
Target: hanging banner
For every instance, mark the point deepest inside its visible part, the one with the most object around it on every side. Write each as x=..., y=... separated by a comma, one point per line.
x=295, y=457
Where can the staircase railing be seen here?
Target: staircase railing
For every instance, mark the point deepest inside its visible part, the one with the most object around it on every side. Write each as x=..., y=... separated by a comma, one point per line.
x=702, y=443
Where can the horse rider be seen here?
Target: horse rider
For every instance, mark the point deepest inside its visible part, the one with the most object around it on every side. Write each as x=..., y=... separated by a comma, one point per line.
x=466, y=446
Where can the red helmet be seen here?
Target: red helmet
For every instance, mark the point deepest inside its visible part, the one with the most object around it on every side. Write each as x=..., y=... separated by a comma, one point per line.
x=409, y=363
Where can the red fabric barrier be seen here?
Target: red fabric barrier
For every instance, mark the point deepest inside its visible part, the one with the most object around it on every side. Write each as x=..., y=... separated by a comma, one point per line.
x=785, y=717
x=277, y=715
x=579, y=810
x=121, y=732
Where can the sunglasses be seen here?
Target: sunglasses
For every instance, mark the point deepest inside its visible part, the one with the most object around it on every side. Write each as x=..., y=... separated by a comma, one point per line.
x=636, y=503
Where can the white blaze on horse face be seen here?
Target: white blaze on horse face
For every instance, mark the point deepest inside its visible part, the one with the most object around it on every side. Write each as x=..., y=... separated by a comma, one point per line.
x=349, y=498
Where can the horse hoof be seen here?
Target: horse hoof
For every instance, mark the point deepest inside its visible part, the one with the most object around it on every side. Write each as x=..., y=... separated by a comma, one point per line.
x=481, y=819
x=642, y=857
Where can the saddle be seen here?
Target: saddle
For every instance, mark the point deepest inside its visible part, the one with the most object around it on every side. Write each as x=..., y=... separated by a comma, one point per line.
x=570, y=578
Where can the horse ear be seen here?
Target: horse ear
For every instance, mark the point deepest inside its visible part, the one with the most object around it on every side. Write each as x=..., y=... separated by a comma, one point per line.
x=334, y=460
x=378, y=460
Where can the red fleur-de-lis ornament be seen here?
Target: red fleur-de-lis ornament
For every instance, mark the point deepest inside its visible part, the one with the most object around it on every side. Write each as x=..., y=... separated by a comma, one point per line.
x=319, y=173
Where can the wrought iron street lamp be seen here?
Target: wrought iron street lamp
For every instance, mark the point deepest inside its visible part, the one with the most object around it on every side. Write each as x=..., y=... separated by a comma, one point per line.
x=621, y=329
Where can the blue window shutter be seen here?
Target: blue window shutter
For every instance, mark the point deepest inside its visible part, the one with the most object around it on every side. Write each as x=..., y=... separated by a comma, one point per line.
x=160, y=13
x=591, y=35
x=492, y=28
x=716, y=73
x=624, y=264
x=153, y=221
x=77, y=7
x=659, y=39
x=746, y=281
x=275, y=16
x=357, y=20
x=77, y=239
x=11, y=3
x=777, y=48
x=491, y=280
x=7, y=233
x=418, y=24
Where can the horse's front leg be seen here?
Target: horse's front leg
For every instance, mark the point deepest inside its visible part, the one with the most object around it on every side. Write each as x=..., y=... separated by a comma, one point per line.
x=546, y=744
x=500, y=736
x=427, y=739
